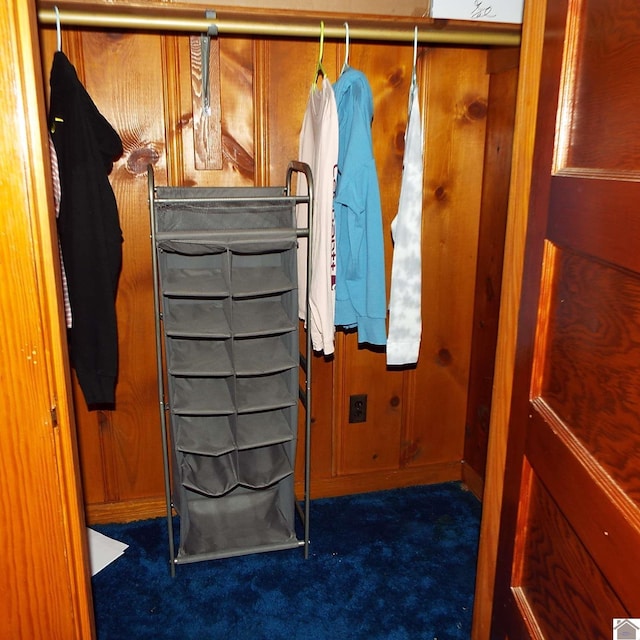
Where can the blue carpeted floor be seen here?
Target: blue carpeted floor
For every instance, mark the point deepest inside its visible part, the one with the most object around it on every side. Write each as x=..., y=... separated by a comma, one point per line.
x=390, y=565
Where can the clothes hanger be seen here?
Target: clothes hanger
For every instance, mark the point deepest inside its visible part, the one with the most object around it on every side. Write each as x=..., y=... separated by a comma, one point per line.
x=319, y=68
x=346, y=54
x=414, y=73
x=415, y=49
x=58, y=29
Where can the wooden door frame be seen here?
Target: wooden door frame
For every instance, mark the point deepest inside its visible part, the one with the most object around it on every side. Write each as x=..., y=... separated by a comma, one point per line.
x=517, y=223
x=27, y=194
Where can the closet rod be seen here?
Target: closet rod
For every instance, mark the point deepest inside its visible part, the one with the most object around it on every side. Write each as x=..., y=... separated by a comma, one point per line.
x=146, y=22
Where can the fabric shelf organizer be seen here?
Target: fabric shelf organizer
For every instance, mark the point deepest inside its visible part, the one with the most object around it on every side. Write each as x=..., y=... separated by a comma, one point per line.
x=225, y=272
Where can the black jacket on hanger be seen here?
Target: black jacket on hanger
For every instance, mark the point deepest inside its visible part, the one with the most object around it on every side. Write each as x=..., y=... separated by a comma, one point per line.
x=89, y=229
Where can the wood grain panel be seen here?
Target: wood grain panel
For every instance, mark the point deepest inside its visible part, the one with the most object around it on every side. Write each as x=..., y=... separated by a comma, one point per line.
x=205, y=91
x=285, y=101
x=236, y=118
x=592, y=355
x=558, y=580
x=237, y=104
x=374, y=445
x=505, y=363
x=457, y=85
x=132, y=102
x=604, y=519
x=503, y=67
x=605, y=42
x=45, y=589
x=96, y=460
x=282, y=105
x=31, y=500
x=583, y=231
x=600, y=518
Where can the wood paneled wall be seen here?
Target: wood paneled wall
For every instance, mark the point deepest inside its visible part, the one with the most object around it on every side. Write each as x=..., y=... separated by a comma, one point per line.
x=503, y=67
x=417, y=417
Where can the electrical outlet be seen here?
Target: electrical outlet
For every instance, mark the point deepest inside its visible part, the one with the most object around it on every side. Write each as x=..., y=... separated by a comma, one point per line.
x=358, y=408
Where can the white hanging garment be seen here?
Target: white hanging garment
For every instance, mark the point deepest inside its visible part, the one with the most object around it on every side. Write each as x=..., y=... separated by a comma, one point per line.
x=319, y=149
x=405, y=301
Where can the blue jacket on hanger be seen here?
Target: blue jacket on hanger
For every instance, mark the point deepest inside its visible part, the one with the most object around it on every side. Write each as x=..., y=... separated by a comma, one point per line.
x=360, y=275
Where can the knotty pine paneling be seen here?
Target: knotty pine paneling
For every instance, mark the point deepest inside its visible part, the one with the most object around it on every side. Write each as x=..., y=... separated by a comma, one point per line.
x=282, y=104
x=456, y=84
x=133, y=103
x=374, y=445
x=415, y=424
x=235, y=66
x=120, y=449
x=502, y=65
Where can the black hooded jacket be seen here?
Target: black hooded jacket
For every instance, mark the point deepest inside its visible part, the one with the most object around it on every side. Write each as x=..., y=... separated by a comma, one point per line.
x=89, y=229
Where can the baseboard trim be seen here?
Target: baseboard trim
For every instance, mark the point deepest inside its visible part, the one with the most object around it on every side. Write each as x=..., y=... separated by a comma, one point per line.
x=127, y=511
x=381, y=480
x=143, y=508
x=473, y=480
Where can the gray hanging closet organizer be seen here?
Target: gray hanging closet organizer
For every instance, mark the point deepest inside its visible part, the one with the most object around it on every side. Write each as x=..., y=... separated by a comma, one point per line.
x=229, y=361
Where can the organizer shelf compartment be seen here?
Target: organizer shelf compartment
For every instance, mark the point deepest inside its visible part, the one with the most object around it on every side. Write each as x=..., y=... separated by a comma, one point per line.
x=201, y=396
x=243, y=521
x=192, y=357
x=258, y=356
x=266, y=316
x=264, y=428
x=205, y=435
x=226, y=299
x=196, y=318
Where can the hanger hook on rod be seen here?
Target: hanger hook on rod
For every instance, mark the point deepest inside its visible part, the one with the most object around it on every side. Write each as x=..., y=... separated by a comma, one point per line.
x=319, y=68
x=205, y=48
x=346, y=44
x=58, y=30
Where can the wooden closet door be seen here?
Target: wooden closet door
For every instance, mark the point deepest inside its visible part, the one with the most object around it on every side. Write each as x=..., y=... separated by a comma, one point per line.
x=45, y=589
x=570, y=528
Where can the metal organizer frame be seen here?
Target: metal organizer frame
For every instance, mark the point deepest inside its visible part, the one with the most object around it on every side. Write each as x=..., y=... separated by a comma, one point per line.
x=229, y=363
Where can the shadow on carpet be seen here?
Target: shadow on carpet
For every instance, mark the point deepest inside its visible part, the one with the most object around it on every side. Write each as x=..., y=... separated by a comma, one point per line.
x=392, y=565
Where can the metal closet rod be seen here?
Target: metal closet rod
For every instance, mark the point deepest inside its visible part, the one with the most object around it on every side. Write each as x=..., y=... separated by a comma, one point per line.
x=146, y=22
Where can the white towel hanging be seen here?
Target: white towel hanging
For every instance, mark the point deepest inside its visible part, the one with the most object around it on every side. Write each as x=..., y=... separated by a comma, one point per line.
x=405, y=319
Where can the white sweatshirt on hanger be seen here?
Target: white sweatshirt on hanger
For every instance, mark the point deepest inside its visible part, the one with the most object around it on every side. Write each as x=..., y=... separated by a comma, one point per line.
x=319, y=149
x=405, y=301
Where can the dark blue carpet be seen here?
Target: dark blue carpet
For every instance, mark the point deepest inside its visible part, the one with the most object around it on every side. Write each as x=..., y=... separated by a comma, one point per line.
x=392, y=565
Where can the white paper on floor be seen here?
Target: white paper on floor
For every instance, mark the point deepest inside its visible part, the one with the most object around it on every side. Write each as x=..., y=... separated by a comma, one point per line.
x=103, y=550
